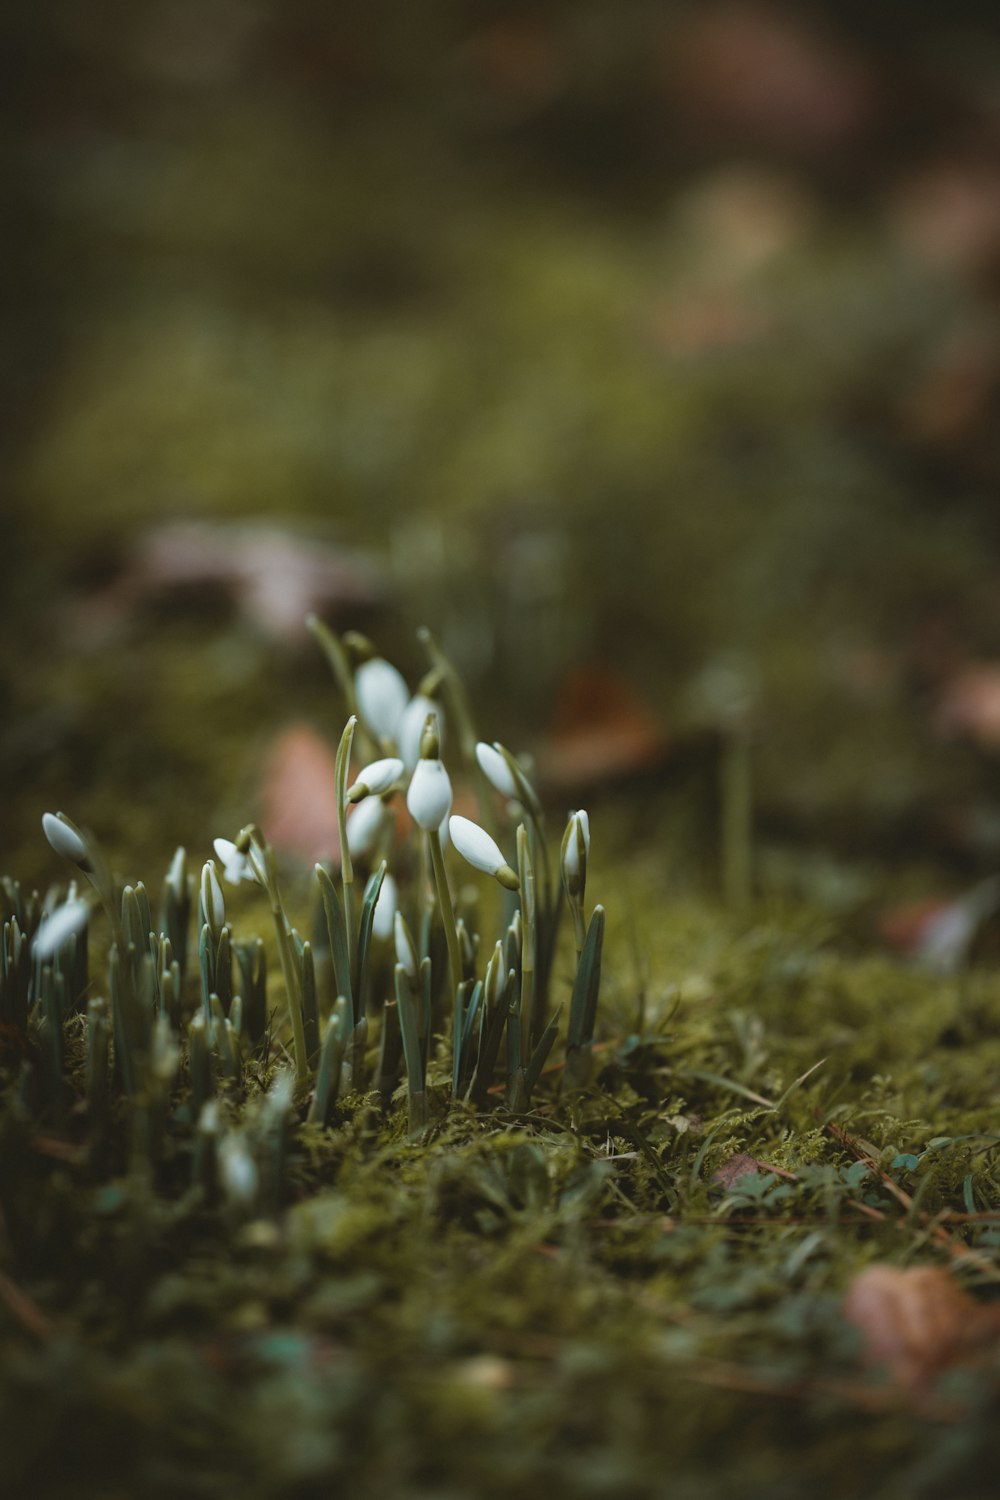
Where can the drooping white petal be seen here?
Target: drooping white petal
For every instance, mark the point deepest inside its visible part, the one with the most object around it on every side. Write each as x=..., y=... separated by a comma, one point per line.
x=58, y=927
x=382, y=696
x=482, y=852
x=366, y=826
x=64, y=839
x=429, y=795
x=475, y=844
x=377, y=777
x=496, y=770
x=411, y=727
x=384, y=916
x=236, y=866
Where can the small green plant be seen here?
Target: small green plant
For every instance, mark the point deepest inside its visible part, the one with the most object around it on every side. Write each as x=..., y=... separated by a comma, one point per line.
x=392, y=990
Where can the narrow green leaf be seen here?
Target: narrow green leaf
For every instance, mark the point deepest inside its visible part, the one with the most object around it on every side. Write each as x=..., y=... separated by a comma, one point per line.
x=338, y=936
x=372, y=891
x=586, y=987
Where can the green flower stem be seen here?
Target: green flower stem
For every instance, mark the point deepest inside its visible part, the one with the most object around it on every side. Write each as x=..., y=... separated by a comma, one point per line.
x=526, y=879
x=579, y=927
x=447, y=910
x=461, y=715
x=290, y=974
x=287, y=956
x=346, y=863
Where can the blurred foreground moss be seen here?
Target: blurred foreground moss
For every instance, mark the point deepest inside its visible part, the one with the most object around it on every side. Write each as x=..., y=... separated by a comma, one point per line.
x=582, y=1297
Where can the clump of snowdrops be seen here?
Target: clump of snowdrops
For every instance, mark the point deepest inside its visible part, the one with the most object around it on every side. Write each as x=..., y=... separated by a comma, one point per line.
x=426, y=971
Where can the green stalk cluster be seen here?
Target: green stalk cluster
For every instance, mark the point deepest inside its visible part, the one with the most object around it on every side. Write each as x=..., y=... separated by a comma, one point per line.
x=366, y=1004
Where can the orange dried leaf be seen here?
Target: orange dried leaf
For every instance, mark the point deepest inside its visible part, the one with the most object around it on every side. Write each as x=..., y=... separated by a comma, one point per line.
x=602, y=730
x=917, y=1323
x=970, y=705
x=297, y=795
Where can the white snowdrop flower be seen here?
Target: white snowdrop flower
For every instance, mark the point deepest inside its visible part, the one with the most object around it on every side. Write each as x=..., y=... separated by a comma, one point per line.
x=64, y=838
x=213, y=903
x=406, y=948
x=58, y=927
x=496, y=770
x=429, y=795
x=384, y=916
x=366, y=825
x=575, y=848
x=482, y=852
x=238, y=1172
x=411, y=727
x=236, y=866
x=165, y=1055
x=382, y=696
x=278, y=1101
x=376, y=778
x=177, y=874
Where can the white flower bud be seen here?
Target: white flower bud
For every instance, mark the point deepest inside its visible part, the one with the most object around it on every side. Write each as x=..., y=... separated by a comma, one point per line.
x=213, y=903
x=411, y=727
x=575, y=848
x=366, y=826
x=376, y=778
x=57, y=928
x=165, y=1055
x=496, y=770
x=177, y=874
x=382, y=696
x=64, y=838
x=278, y=1101
x=482, y=852
x=238, y=1172
x=429, y=796
x=493, y=983
x=406, y=948
x=384, y=916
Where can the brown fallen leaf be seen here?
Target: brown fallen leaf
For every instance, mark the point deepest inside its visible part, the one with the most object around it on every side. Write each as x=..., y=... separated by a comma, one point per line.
x=917, y=1323
x=952, y=396
x=734, y=1168
x=969, y=706
x=757, y=73
x=601, y=731
x=274, y=576
x=940, y=933
x=948, y=213
x=298, y=801
x=709, y=324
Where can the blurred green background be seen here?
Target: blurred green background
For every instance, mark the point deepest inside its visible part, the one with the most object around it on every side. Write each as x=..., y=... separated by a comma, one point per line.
x=647, y=339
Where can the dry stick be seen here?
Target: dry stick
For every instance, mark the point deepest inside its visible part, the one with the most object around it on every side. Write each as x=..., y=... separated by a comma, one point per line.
x=934, y=1226
x=21, y=1307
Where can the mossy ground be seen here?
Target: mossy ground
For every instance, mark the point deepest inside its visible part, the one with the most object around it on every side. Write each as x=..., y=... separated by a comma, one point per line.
x=290, y=264
x=569, y=1299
